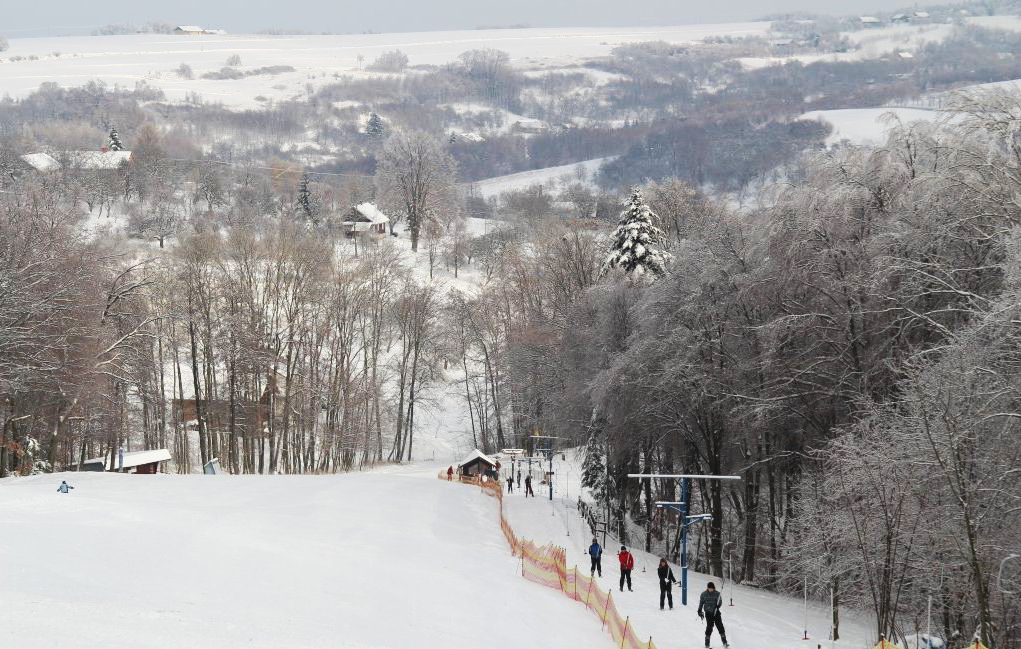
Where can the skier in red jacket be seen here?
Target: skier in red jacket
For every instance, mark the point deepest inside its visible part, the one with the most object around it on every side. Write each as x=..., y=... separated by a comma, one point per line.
x=450, y=473
x=627, y=563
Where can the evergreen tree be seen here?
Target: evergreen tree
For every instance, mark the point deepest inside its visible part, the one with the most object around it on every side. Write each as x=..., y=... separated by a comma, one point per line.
x=593, y=468
x=375, y=126
x=115, y=141
x=308, y=201
x=633, y=248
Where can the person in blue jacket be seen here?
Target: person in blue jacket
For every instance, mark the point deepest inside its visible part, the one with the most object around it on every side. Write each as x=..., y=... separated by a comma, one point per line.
x=596, y=552
x=64, y=487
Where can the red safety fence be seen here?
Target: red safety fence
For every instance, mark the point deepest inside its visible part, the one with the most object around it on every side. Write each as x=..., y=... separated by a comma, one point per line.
x=547, y=565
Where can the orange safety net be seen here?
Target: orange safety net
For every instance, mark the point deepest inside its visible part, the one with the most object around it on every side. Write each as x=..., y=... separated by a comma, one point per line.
x=547, y=565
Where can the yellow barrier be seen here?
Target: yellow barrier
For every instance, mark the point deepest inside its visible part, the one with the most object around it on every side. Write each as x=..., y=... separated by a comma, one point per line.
x=547, y=565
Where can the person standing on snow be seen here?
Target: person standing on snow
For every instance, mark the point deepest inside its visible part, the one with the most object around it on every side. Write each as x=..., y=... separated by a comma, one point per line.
x=64, y=487
x=510, y=483
x=519, y=479
x=528, y=486
x=711, y=602
x=450, y=473
x=595, y=551
x=666, y=581
x=627, y=564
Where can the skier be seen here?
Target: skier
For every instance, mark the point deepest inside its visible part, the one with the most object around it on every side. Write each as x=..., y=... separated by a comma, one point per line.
x=711, y=602
x=510, y=483
x=666, y=581
x=64, y=487
x=627, y=563
x=528, y=486
x=519, y=479
x=595, y=551
x=450, y=473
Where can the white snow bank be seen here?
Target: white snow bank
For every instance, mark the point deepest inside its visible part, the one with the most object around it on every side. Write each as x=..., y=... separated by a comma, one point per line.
x=546, y=176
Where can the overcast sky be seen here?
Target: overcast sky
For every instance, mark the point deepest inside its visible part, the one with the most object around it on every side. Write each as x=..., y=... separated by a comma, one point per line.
x=52, y=17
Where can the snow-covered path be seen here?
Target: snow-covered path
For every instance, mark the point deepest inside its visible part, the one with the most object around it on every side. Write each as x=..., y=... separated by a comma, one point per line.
x=393, y=558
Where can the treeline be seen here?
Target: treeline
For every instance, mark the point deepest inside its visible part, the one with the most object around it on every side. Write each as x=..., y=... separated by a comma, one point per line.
x=848, y=350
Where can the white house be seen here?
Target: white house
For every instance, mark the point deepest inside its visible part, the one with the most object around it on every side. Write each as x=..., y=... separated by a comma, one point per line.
x=365, y=218
x=189, y=29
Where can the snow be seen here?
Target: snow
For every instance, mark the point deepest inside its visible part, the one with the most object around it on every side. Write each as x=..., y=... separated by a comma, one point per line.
x=758, y=619
x=868, y=125
x=477, y=454
x=372, y=213
x=41, y=161
x=317, y=59
x=1009, y=23
x=546, y=176
x=387, y=559
x=134, y=458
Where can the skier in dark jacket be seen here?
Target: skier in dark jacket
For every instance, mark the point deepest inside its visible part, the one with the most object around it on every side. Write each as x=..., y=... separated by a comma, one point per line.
x=595, y=551
x=627, y=564
x=709, y=605
x=666, y=582
x=528, y=486
x=510, y=483
x=64, y=487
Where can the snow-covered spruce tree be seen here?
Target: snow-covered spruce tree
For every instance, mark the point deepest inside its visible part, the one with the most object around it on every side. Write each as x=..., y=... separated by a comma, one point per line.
x=309, y=203
x=374, y=126
x=115, y=140
x=593, y=468
x=634, y=245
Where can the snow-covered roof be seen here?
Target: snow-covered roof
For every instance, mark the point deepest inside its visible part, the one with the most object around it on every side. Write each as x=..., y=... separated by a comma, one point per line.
x=134, y=458
x=97, y=159
x=921, y=14
x=188, y=28
x=371, y=213
x=869, y=20
x=477, y=454
x=41, y=161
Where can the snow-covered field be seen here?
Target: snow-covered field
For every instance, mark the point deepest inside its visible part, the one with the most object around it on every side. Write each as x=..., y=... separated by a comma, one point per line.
x=549, y=176
x=373, y=560
x=154, y=58
x=392, y=558
x=868, y=125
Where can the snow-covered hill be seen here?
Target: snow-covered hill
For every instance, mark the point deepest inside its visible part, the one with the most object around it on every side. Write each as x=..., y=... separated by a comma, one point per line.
x=155, y=58
x=391, y=558
x=374, y=560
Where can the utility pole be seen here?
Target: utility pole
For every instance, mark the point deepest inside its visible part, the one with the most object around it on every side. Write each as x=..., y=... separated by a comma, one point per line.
x=549, y=456
x=682, y=508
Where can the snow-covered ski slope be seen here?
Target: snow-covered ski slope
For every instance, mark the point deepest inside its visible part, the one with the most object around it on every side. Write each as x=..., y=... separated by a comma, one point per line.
x=363, y=561
x=155, y=58
x=392, y=558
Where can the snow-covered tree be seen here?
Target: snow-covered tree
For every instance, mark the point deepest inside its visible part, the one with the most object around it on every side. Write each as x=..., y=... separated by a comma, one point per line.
x=593, y=468
x=634, y=247
x=309, y=202
x=115, y=141
x=375, y=126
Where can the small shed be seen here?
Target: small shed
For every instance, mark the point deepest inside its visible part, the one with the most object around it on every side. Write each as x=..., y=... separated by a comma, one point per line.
x=477, y=463
x=365, y=218
x=189, y=29
x=139, y=462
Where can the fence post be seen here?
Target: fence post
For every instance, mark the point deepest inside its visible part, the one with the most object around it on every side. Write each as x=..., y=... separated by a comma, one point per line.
x=623, y=636
x=609, y=597
x=589, y=593
x=576, y=583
